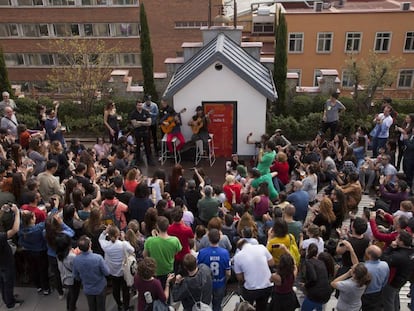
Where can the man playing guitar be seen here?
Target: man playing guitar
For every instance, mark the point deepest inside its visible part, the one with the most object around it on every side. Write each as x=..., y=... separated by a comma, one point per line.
x=199, y=125
x=170, y=124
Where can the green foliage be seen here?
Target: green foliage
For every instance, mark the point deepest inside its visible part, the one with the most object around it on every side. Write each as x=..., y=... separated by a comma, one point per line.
x=304, y=117
x=372, y=73
x=280, y=62
x=71, y=114
x=147, y=57
x=4, y=76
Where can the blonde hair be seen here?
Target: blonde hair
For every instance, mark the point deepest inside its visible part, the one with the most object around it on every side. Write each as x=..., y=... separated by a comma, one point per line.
x=406, y=206
x=281, y=157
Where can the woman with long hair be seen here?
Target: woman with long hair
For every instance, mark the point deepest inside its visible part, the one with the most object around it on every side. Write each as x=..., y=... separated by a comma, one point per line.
x=283, y=296
x=70, y=186
x=93, y=227
x=278, y=235
x=145, y=282
x=140, y=202
x=135, y=238
x=116, y=249
x=38, y=155
x=132, y=179
x=156, y=184
x=111, y=122
x=16, y=153
x=261, y=202
x=65, y=255
x=324, y=217
x=317, y=289
x=338, y=206
x=310, y=182
x=34, y=244
x=351, y=287
x=177, y=182
x=406, y=128
x=55, y=225
x=57, y=153
x=150, y=221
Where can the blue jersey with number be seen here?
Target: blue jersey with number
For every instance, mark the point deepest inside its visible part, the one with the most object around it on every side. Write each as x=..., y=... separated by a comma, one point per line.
x=218, y=259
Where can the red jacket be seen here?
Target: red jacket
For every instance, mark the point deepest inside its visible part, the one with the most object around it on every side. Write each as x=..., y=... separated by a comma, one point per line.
x=383, y=237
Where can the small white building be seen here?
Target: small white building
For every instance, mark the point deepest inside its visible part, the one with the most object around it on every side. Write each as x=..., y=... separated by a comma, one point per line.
x=222, y=76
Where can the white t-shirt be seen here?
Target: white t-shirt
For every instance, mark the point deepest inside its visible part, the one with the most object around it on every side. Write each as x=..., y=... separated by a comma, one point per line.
x=252, y=261
x=318, y=242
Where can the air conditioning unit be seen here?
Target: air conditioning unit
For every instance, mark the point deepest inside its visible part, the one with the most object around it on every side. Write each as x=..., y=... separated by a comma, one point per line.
x=318, y=6
x=405, y=6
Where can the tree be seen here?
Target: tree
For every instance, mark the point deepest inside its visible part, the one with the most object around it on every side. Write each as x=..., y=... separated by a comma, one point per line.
x=280, y=61
x=4, y=76
x=147, y=56
x=84, y=66
x=369, y=75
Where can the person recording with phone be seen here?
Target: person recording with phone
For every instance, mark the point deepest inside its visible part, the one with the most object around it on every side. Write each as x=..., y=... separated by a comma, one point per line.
x=9, y=226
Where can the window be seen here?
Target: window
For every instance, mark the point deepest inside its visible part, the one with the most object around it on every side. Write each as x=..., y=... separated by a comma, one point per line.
x=124, y=2
x=94, y=2
x=14, y=59
x=382, y=41
x=129, y=59
x=46, y=59
x=125, y=30
x=24, y=2
x=347, y=79
x=66, y=30
x=405, y=78
x=353, y=42
x=409, y=42
x=324, y=42
x=96, y=30
x=263, y=28
x=296, y=42
x=8, y=30
x=61, y=2
x=190, y=24
x=316, y=75
x=5, y=3
x=299, y=72
x=30, y=30
x=63, y=60
x=32, y=59
x=43, y=30
x=62, y=30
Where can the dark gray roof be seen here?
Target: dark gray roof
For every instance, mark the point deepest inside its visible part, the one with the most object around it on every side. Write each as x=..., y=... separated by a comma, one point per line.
x=230, y=54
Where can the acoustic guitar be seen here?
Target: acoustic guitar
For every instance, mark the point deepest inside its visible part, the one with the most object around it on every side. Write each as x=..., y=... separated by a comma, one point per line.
x=197, y=124
x=168, y=124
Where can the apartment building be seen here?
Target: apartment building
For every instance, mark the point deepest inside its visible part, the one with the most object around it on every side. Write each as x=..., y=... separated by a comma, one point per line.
x=27, y=28
x=322, y=35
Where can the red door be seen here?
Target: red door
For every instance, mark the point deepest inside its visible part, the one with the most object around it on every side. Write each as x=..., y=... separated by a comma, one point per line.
x=222, y=125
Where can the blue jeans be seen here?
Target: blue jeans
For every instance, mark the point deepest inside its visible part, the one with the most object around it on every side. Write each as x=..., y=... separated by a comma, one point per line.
x=376, y=144
x=218, y=295
x=309, y=305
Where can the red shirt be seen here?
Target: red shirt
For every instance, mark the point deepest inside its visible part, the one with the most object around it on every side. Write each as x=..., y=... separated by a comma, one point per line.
x=183, y=233
x=130, y=185
x=282, y=169
x=40, y=215
x=236, y=187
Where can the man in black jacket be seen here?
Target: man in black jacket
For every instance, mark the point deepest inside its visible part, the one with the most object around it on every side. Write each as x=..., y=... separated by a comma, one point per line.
x=399, y=256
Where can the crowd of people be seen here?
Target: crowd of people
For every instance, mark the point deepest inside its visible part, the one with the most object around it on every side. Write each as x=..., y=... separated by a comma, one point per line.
x=72, y=217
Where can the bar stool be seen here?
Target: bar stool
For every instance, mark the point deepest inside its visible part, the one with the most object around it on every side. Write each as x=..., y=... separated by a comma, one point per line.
x=165, y=154
x=211, y=156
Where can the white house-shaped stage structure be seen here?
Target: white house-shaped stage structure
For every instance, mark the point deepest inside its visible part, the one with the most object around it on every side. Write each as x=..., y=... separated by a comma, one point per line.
x=223, y=77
